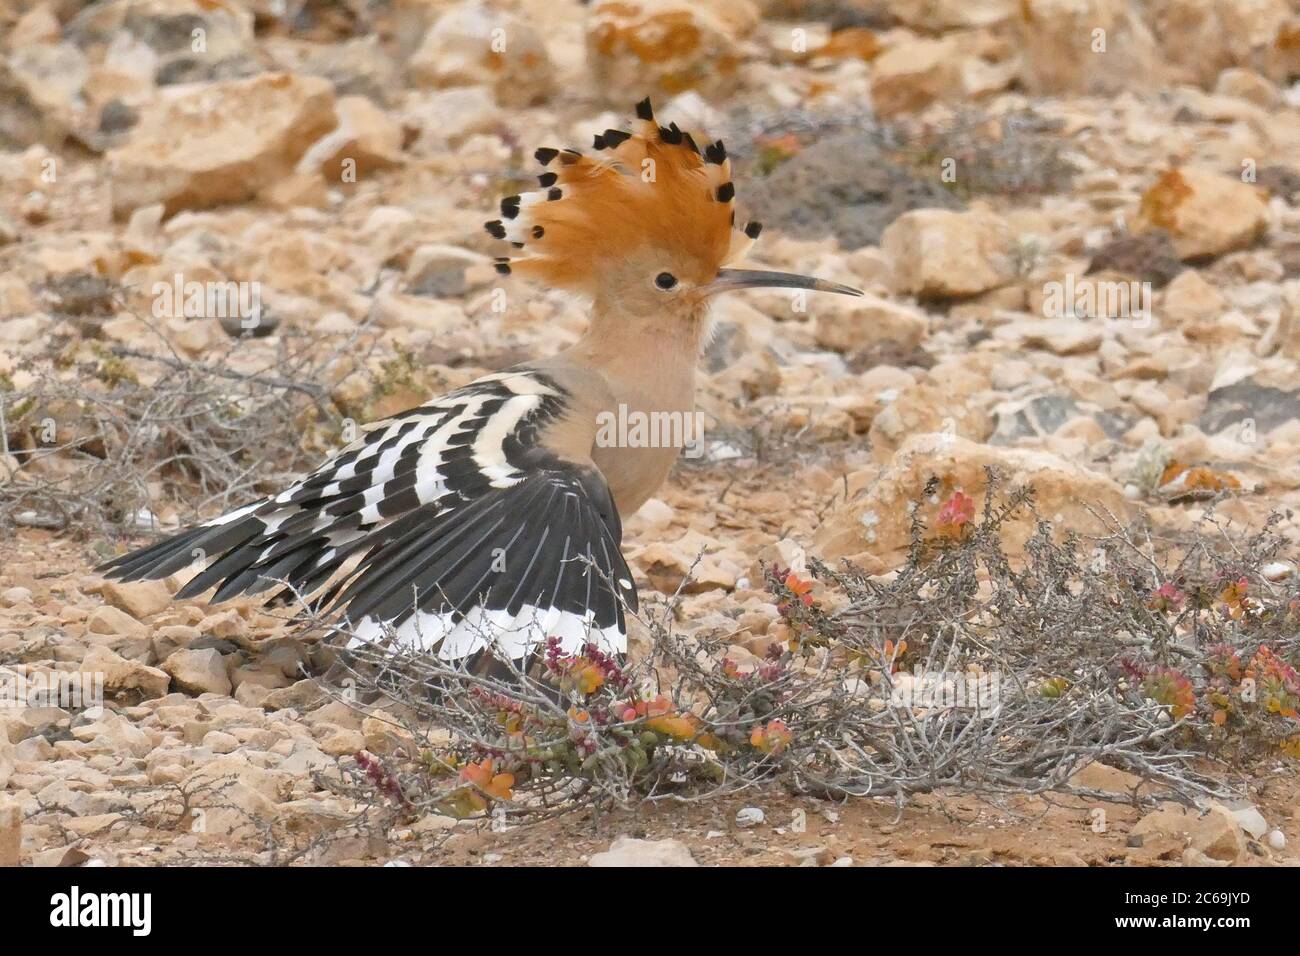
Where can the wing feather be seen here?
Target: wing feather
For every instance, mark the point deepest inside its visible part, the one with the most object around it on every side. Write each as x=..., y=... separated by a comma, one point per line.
x=462, y=529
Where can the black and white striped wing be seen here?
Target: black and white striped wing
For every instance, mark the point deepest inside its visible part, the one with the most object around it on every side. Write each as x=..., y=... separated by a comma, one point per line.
x=471, y=535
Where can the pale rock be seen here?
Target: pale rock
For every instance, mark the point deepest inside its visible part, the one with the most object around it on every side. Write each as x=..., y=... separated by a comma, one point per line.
x=914, y=73
x=1277, y=840
x=34, y=749
x=667, y=565
x=814, y=856
x=692, y=111
x=445, y=119
x=7, y=759
x=48, y=80
x=934, y=16
x=1251, y=820
x=658, y=47
x=433, y=823
x=11, y=831
x=361, y=66
x=747, y=817
x=874, y=270
x=383, y=732
x=473, y=44
x=165, y=30
x=59, y=857
x=119, y=734
x=1218, y=835
x=198, y=146
x=14, y=596
x=875, y=525
x=1085, y=46
x=1214, y=833
x=655, y=514
x=366, y=139
x=340, y=741
x=230, y=793
x=441, y=270
x=198, y=672
x=298, y=190
x=169, y=638
x=112, y=622
x=1247, y=85
x=305, y=759
x=1199, y=39
x=120, y=674
x=938, y=253
x=1277, y=570
x=1098, y=776
x=38, y=25
x=1194, y=857
x=1205, y=212
x=1059, y=336
x=867, y=322
x=140, y=599
x=628, y=851
x=394, y=310
x=229, y=625
x=923, y=407
x=220, y=742
x=250, y=693
x=1189, y=302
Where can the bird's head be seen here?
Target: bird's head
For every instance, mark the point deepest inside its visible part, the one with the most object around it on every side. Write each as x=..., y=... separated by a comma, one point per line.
x=645, y=223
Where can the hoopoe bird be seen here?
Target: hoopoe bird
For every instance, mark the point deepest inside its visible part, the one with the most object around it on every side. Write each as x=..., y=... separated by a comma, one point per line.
x=489, y=520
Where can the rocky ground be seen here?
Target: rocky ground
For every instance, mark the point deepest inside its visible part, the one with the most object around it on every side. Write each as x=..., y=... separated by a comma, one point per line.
x=1073, y=221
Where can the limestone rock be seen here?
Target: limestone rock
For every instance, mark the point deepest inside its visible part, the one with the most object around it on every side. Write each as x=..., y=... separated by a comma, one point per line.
x=6, y=761
x=231, y=794
x=658, y=47
x=198, y=671
x=1085, y=46
x=1098, y=776
x=112, y=622
x=121, y=675
x=1189, y=302
x=910, y=75
x=628, y=851
x=926, y=407
x=849, y=324
x=1215, y=833
x=14, y=596
x=939, y=253
x=1204, y=212
x=473, y=43
x=366, y=136
x=201, y=146
x=140, y=599
x=875, y=525
x=1201, y=39
x=11, y=831
x=934, y=16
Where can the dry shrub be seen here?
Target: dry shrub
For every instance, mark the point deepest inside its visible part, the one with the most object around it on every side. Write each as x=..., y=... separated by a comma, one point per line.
x=967, y=670
x=98, y=441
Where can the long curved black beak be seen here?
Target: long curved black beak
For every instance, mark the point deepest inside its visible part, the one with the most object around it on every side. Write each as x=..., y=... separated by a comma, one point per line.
x=729, y=280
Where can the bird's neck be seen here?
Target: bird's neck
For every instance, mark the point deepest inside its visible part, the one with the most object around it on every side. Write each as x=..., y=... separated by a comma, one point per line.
x=649, y=361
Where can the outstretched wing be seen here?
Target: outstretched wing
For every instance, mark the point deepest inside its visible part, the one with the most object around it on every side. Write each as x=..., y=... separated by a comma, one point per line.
x=472, y=534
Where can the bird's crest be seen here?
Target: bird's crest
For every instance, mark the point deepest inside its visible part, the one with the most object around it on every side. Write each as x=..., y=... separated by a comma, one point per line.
x=652, y=186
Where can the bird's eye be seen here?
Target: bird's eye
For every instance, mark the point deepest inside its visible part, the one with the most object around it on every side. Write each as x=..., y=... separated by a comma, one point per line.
x=665, y=280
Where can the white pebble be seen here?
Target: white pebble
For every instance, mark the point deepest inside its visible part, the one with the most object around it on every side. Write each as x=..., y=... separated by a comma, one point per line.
x=1277, y=570
x=1277, y=840
x=14, y=596
x=749, y=817
x=1252, y=821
